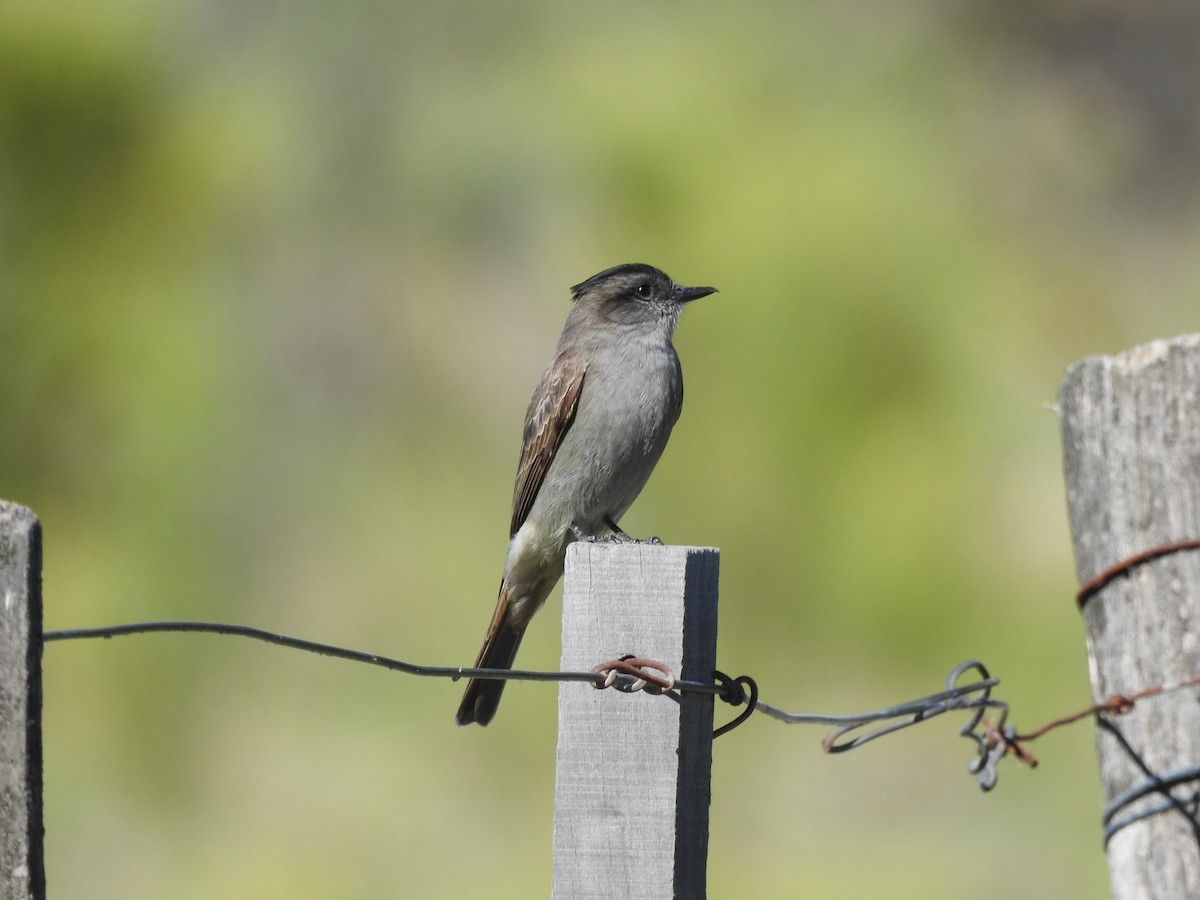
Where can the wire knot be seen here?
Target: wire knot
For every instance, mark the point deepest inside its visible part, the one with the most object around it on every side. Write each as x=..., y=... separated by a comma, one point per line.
x=733, y=691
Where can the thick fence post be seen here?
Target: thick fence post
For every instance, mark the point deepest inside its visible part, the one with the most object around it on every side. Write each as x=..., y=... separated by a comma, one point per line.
x=22, y=873
x=1131, y=438
x=633, y=774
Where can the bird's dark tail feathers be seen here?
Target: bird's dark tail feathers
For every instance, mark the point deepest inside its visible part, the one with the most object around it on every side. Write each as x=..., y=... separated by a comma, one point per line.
x=482, y=696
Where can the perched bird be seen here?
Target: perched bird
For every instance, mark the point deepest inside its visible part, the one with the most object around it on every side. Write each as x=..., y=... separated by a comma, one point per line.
x=597, y=423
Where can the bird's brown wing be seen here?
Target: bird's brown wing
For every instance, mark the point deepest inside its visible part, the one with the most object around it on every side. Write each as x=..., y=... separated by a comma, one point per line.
x=549, y=417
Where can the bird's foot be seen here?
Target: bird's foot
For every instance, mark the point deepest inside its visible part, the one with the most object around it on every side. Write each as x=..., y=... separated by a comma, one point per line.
x=608, y=539
x=651, y=541
x=616, y=537
x=580, y=535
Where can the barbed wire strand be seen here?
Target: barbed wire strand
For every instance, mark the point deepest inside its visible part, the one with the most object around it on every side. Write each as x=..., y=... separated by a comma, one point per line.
x=993, y=739
x=1117, y=704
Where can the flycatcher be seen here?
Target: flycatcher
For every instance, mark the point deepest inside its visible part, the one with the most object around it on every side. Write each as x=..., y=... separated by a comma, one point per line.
x=596, y=425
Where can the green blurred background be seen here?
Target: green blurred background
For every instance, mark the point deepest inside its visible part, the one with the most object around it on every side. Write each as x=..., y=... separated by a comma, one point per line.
x=276, y=281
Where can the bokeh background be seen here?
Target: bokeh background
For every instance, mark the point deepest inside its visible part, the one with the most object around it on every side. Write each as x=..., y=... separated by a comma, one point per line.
x=276, y=280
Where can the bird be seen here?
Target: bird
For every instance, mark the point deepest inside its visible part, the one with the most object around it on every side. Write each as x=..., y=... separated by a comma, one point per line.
x=595, y=427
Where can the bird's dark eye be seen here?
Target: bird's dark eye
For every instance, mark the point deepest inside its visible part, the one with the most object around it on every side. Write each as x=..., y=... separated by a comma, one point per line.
x=643, y=291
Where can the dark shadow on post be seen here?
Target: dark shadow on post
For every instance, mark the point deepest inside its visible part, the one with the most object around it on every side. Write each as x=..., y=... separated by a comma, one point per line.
x=694, y=788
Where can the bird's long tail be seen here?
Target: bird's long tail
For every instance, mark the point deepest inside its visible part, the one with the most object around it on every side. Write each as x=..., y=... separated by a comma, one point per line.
x=482, y=696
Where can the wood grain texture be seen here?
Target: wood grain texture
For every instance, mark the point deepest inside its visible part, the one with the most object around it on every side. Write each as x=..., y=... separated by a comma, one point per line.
x=1131, y=445
x=22, y=872
x=633, y=770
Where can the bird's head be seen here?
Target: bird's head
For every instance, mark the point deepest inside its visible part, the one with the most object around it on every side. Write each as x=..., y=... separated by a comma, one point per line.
x=635, y=294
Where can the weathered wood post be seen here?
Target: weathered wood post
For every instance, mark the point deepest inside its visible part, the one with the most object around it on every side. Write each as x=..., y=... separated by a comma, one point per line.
x=633, y=773
x=22, y=873
x=1131, y=439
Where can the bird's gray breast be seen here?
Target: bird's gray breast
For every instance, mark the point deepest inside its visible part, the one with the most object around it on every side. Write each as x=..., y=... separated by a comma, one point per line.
x=631, y=399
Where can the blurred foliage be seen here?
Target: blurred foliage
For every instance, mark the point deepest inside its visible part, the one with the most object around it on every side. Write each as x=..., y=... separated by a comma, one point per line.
x=276, y=280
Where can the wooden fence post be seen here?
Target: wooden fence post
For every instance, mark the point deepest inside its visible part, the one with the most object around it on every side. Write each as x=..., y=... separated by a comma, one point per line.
x=22, y=873
x=633, y=773
x=1131, y=439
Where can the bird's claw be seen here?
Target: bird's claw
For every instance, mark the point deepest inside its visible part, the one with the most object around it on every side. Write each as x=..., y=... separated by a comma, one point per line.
x=616, y=537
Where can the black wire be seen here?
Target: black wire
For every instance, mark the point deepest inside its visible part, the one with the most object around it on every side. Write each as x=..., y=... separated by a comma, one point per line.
x=454, y=673
x=722, y=686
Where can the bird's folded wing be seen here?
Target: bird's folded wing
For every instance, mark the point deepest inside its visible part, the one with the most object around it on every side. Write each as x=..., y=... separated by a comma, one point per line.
x=549, y=417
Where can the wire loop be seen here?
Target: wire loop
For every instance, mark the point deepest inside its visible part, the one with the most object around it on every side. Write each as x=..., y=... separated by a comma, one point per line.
x=1155, y=784
x=640, y=670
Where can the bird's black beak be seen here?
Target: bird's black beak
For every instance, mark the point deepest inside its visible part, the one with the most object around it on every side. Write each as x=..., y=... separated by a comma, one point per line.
x=684, y=294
